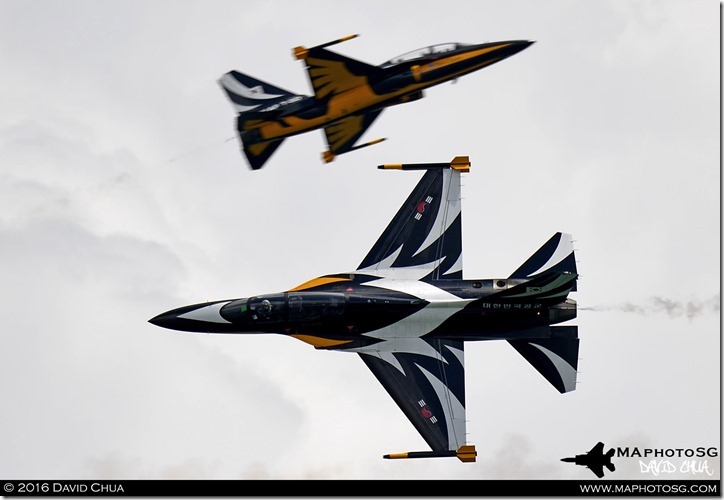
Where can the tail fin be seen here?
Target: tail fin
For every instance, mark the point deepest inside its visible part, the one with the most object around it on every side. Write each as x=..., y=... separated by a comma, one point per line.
x=259, y=152
x=556, y=358
x=556, y=255
x=255, y=100
x=609, y=465
x=247, y=94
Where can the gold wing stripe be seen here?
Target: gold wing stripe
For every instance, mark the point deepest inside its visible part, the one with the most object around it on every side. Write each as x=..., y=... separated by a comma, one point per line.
x=344, y=131
x=331, y=77
x=319, y=341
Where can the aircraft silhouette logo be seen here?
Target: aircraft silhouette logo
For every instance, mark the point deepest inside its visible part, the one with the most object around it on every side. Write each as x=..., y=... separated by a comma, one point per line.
x=595, y=460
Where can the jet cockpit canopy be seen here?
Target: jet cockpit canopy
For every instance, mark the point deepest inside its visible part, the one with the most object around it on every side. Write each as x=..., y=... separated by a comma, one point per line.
x=424, y=52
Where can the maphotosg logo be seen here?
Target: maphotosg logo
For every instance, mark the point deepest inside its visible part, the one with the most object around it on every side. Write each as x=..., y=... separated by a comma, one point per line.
x=658, y=461
x=654, y=461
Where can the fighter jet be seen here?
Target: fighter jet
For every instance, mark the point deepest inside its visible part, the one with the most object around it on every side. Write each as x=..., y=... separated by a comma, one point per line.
x=348, y=94
x=594, y=460
x=407, y=311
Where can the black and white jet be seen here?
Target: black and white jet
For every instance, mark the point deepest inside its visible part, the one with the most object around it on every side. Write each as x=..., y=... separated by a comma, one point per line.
x=407, y=311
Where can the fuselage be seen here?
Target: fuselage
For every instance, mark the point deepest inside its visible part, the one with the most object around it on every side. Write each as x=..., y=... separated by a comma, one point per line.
x=351, y=310
x=397, y=81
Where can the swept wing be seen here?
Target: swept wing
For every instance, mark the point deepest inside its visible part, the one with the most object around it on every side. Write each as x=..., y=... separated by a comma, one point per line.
x=426, y=378
x=331, y=75
x=342, y=135
x=424, y=239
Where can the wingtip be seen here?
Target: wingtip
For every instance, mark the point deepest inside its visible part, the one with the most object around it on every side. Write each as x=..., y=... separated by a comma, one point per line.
x=467, y=453
x=300, y=52
x=461, y=163
x=328, y=156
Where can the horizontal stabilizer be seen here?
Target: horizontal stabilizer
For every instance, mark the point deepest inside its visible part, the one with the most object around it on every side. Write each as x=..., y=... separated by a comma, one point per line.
x=257, y=154
x=555, y=255
x=248, y=94
x=556, y=358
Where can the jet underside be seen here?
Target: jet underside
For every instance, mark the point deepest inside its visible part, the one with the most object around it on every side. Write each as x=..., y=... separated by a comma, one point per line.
x=407, y=311
x=351, y=312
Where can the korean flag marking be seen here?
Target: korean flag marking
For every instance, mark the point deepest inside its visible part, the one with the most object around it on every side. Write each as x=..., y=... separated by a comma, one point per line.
x=422, y=206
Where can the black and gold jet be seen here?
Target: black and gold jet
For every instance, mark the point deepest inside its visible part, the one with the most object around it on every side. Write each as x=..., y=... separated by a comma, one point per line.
x=407, y=311
x=348, y=94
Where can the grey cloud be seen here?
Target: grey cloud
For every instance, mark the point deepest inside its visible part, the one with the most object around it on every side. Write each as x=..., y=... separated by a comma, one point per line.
x=121, y=196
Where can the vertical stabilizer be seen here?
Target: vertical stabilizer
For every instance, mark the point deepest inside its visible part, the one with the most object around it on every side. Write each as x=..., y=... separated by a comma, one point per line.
x=556, y=358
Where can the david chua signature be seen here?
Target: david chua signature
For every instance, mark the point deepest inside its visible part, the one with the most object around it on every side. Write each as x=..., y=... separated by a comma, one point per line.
x=657, y=467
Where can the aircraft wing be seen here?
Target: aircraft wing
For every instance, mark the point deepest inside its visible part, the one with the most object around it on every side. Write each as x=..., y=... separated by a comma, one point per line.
x=331, y=73
x=595, y=457
x=424, y=239
x=342, y=135
x=426, y=378
x=597, y=469
x=597, y=451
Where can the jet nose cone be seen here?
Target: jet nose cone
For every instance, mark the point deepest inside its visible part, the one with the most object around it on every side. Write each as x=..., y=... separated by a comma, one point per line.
x=166, y=320
x=517, y=46
x=497, y=51
x=205, y=318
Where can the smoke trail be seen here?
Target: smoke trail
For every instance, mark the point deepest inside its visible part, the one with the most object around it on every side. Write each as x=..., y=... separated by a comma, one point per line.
x=656, y=305
x=196, y=150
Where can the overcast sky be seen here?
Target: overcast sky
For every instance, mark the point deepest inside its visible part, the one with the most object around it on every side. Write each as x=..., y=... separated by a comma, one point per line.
x=123, y=194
